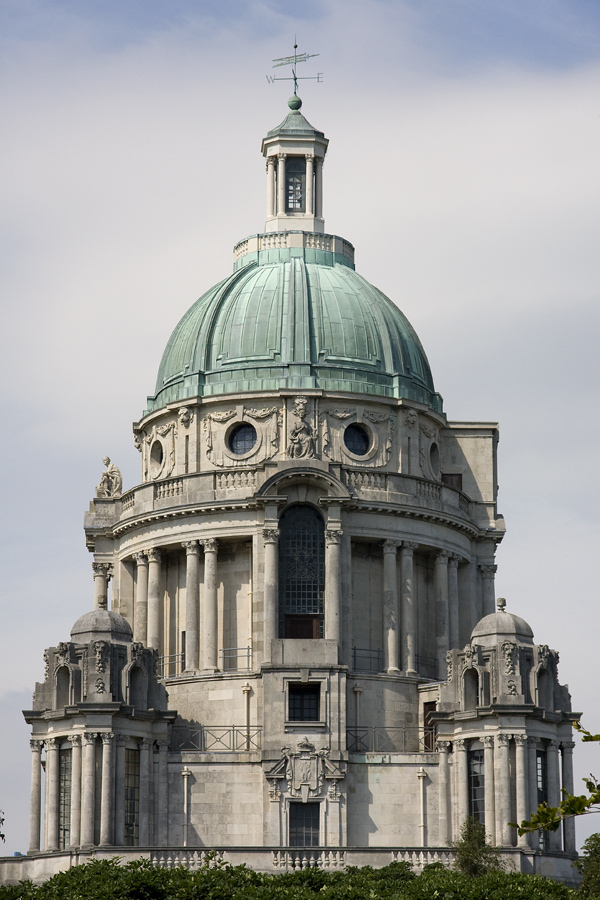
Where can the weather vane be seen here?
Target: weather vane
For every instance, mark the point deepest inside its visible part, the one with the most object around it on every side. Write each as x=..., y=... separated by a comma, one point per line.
x=293, y=62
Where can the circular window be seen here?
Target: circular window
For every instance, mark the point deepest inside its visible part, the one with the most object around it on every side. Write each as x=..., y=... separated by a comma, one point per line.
x=242, y=439
x=156, y=458
x=357, y=440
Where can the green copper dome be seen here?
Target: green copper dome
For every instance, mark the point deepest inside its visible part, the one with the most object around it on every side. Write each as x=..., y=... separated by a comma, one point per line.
x=295, y=318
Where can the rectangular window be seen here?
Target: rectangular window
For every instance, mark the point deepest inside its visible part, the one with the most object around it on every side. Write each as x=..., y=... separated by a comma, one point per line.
x=64, y=808
x=454, y=481
x=476, y=786
x=429, y=733
x=304, y=824
x=542, y=791
x=295, y=177
x=304, y=702
x=132, y=797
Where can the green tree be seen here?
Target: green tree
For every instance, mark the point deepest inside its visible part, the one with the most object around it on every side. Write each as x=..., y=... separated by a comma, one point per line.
x=589, y=866
x=475, y=856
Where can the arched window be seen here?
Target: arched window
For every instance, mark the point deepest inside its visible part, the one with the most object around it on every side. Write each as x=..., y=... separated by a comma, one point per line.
x=63, y=687
x=471, y=687
x=301, y=573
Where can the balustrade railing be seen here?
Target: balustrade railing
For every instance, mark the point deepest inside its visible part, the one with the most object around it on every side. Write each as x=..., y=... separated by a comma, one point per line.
x=217, y=738
x=171, y=665
x=236, y=659
x=366, y=660
x=403, y=739
x=427, y=665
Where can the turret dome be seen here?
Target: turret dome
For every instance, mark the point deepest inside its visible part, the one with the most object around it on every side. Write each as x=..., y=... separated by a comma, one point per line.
x=501, y=625
x=101, y=624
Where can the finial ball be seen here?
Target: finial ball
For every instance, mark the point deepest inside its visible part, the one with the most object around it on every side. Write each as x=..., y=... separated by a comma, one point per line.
x=295, y=102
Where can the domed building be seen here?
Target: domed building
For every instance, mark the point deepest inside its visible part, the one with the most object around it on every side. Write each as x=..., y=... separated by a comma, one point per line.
x=303, y=663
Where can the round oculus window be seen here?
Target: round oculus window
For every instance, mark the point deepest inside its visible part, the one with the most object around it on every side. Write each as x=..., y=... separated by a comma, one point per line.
x=242, y=439
x=357, y=440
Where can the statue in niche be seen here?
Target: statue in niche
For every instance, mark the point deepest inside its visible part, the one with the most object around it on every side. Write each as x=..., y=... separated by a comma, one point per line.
x=301, y=444
x=111, y=482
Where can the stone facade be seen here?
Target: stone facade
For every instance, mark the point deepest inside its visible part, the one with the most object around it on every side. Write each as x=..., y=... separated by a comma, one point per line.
x=303, y=662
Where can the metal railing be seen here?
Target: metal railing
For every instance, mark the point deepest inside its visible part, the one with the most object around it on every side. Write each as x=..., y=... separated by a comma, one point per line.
x=427, y=666
x=171, y=665
x=217, y=738
x=403, y=739
x=364, y=660
x=232, y=656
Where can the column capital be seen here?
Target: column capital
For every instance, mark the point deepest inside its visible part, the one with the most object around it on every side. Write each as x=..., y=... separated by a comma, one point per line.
x=103, y=570
x=567, y=746
x=145, y=743
x=442, y=556
x=270, y=535
x=487, y=570
x=553, y=745
x=319, y=160
x=409, y=546
x=154, y=554
x=270, y=161
x=503, y=739
x=36, y=746
x=281, y=155
x=443, y=746
x=107, y=737
x=487, y=740
x=391, y=546
x=163, y=745
x=532, y=741
x=333, y=536
x=141, y=557
x=121, y=739
x=211, y=545
x=520, y=739
x=460, y=744
x=89, y=737
x=453, y=560
x=75, y=740
x=51, y=744
x=192, y=548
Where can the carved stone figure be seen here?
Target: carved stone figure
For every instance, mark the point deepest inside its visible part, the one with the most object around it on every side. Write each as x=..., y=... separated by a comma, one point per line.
x=112, y=481
x=301, y=444
x=185, y=416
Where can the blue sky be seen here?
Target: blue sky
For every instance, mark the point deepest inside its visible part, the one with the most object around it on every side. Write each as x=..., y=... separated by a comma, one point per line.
x=463, y=165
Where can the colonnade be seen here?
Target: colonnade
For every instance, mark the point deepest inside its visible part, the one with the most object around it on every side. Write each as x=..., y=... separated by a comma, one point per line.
x=453, y=786
x=276, y=185
x=84, y=819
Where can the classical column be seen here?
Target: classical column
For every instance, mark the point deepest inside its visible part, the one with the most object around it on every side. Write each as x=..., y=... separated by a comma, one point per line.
x=271, y=545
x=145, y=788
x=163, y=794
x=521, y=773
x=390, y=608
x=453, y=609
x=35, y=806
x=409, y=609
x=185, y=774
x=552, y=765
x=441, y=611
x=488, y=787
x=140, y=620
x=319, y=187
x=211, y=609
x=462, y=781
x=270, y=187
x=309, y=183
x=444, y=784
x=108, y=788
x=52, y=786
x=121, y=741
x=154, y=605
x=192, y=608
x=488, y=588
x=88, y=789
x=532, y=742
x=567, y=783
x=75, y=830
x=281, y=184
x=332, y=584
x=102, y=573
x=503, y=790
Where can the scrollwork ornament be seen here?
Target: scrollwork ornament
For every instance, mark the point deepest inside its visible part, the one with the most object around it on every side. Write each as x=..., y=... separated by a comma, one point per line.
x=450, y=666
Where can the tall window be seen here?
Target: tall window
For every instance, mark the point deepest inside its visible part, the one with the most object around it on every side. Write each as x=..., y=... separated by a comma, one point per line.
x=304, y=824
x=542, y=791
x=132, y=797
x=64, y=802
x=301, y=573
x=476, y=786
x=295, y=178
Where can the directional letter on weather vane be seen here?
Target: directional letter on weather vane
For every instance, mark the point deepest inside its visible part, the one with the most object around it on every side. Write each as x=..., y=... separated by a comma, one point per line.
x=293, y=62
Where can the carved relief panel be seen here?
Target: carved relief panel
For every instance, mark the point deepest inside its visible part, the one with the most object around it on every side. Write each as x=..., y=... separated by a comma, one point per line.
x=158, y=450
x=241, y=436
x=356, y=436
x=429, y=453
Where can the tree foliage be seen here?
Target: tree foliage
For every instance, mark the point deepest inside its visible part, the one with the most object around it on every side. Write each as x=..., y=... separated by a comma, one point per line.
x=589, y=866
x=140, y=880
x=549, y=818
x=475, y=856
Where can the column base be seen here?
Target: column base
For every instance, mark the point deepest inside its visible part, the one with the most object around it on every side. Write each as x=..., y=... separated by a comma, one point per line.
x=393, y=670
x=210, y=669
x=411, y=672
x=194, y=671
